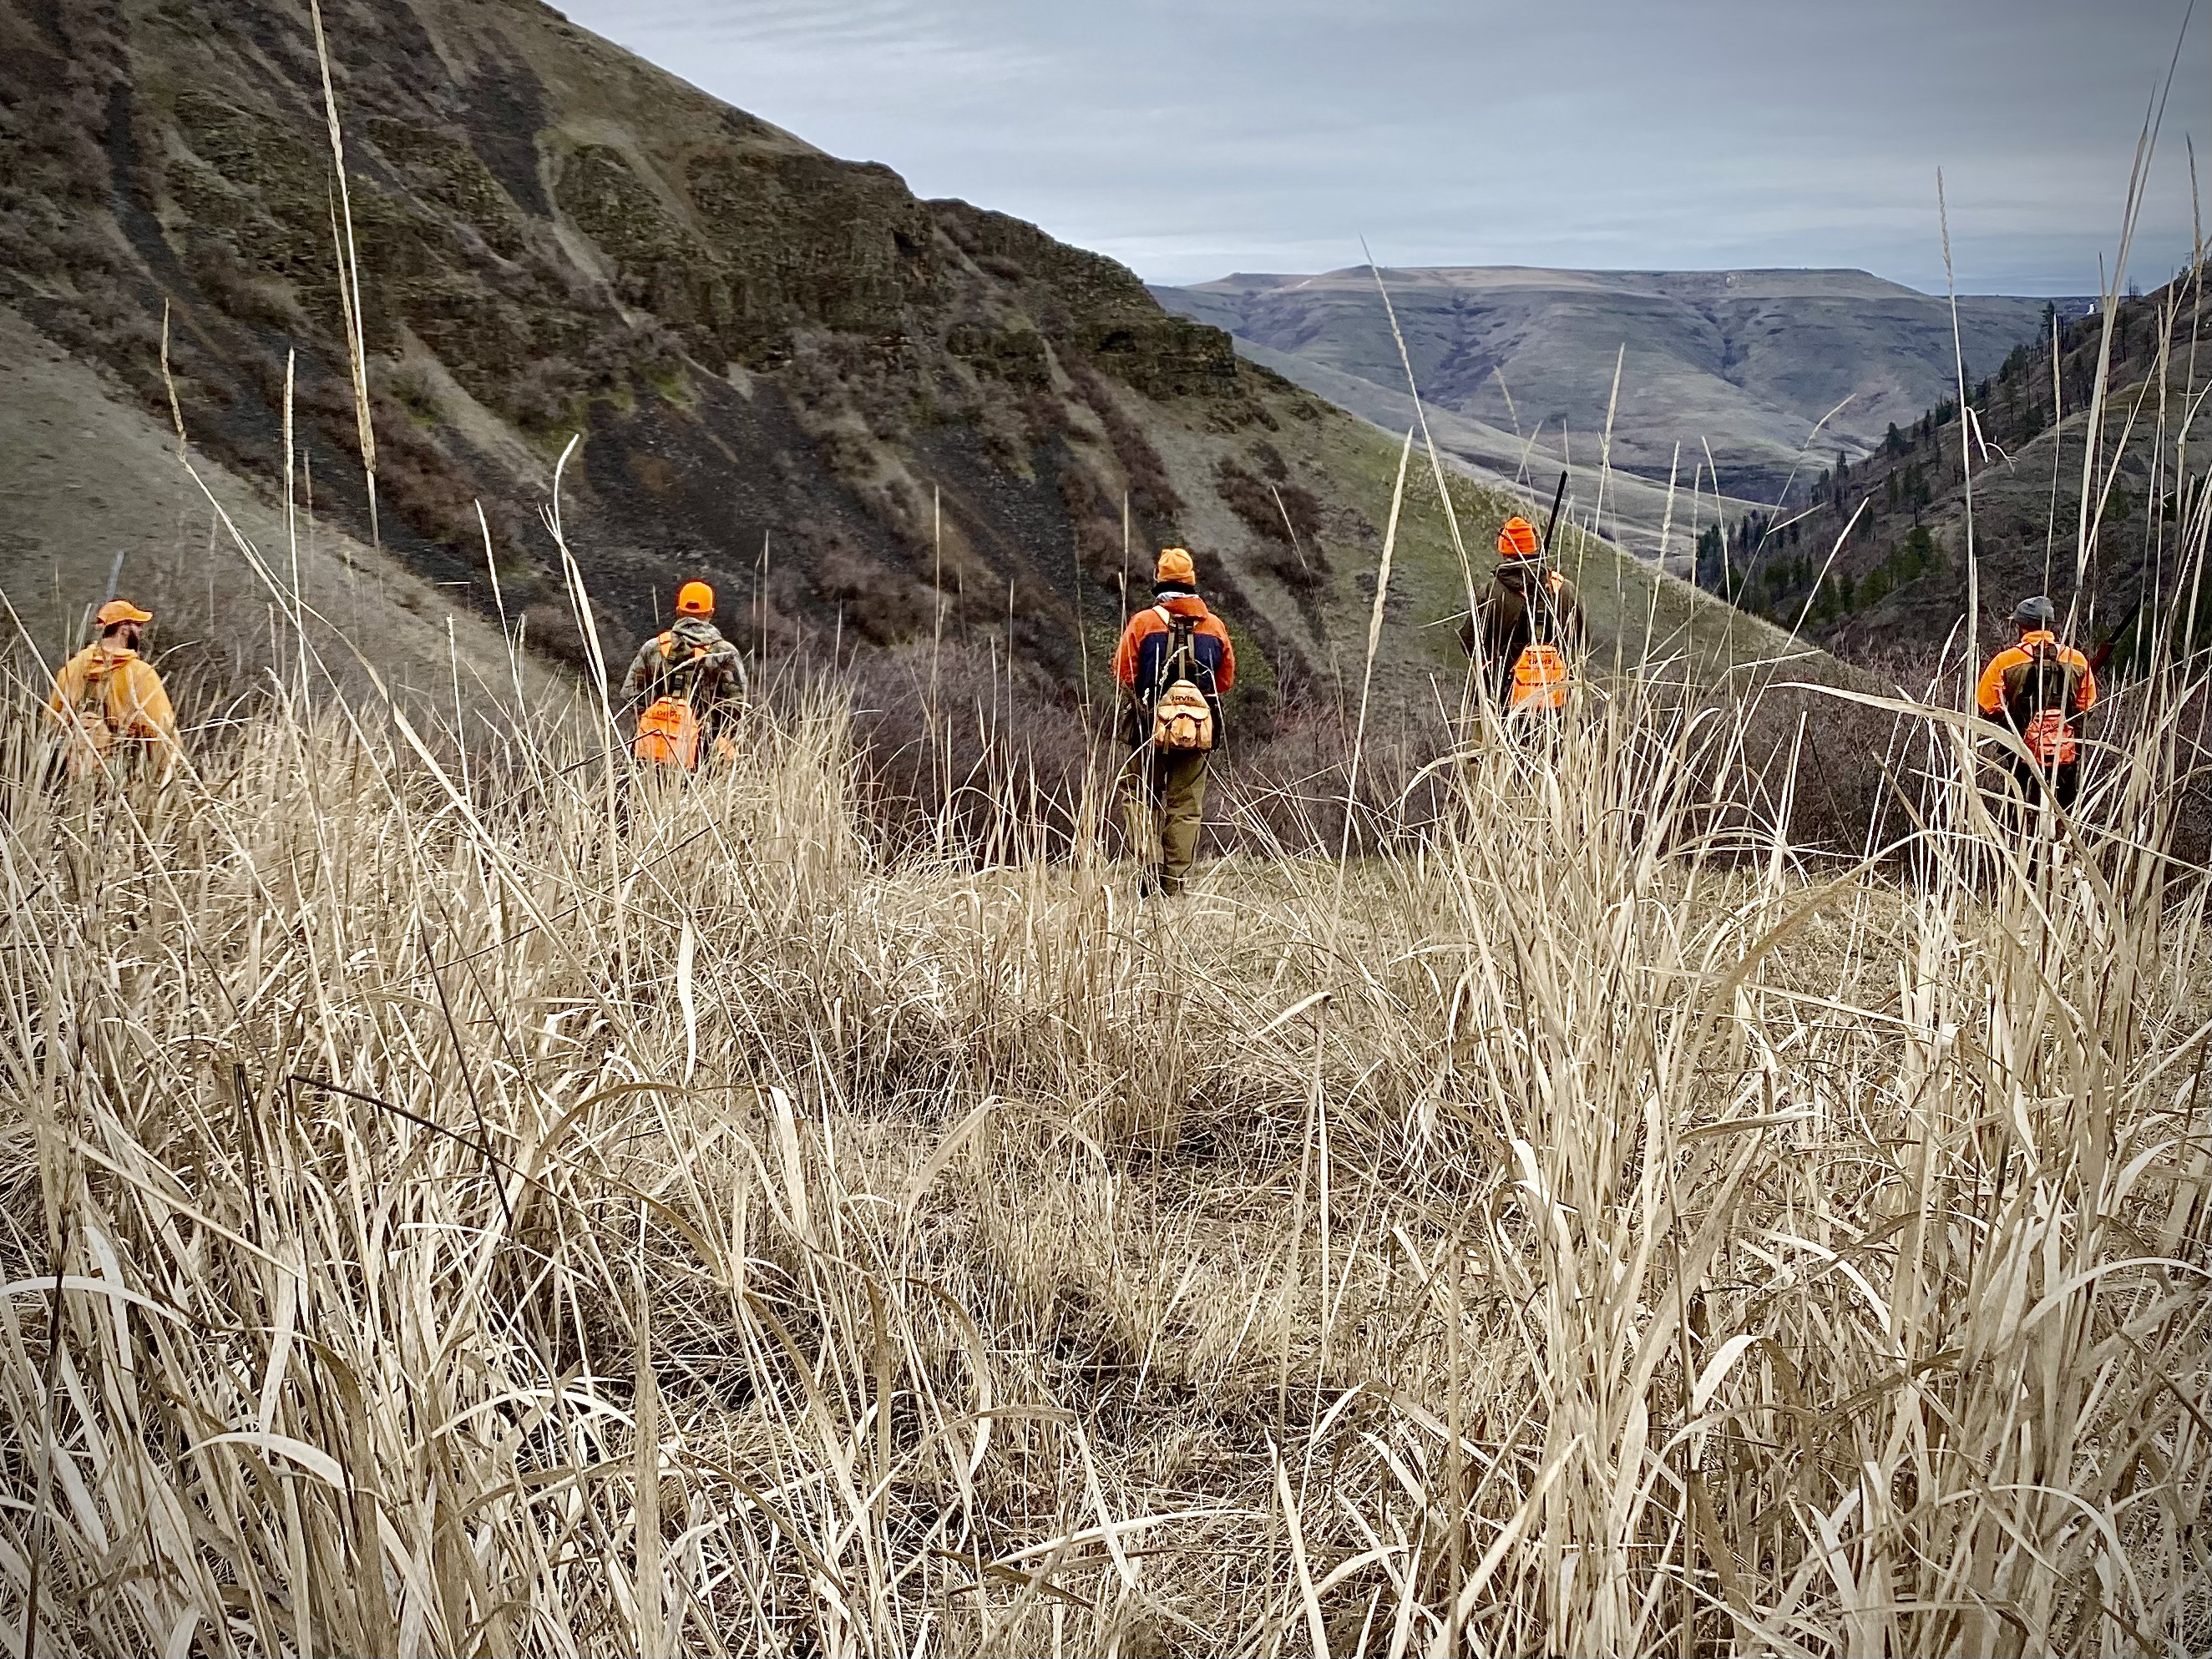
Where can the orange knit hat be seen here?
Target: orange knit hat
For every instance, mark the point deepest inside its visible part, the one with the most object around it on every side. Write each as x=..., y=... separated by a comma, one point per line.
x=1176, y=566
x=1516, y=538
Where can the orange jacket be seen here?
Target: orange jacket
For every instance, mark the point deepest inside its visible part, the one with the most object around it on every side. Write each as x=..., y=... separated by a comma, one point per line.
x=2001, y=680
x=105, y=696
x=1144, y=641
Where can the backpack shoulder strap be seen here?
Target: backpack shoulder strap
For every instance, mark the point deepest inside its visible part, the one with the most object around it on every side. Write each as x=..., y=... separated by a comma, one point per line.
x=1539, y=610
x=98, y=675
x=1183, y=648
x=2039, y=666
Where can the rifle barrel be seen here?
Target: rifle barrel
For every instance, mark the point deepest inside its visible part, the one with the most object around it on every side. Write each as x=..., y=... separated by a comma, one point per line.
x=1553, y=523
x=2103, y=653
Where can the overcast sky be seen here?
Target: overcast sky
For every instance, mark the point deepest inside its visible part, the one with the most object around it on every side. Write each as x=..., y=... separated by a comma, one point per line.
x=1196, y=138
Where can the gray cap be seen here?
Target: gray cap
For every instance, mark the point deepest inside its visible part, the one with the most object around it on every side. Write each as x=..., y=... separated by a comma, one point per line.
x=2038, y=613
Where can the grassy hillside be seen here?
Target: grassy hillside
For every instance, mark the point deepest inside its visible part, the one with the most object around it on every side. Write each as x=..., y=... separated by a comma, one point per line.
x=1632, y=607
x=94, y=488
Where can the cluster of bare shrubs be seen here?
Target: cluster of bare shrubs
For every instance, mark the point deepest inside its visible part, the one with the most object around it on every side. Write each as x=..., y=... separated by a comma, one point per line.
x=1095, y=520
x=874, y=601
x=975, y=758
x=612, y=360
x=59, y=259
x=1152, y=493
x=1271, y=504
x=832, y=375
x=1284, y=519
x=981, y=760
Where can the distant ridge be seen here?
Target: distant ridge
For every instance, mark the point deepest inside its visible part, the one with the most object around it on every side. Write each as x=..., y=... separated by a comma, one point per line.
x=1746, y=364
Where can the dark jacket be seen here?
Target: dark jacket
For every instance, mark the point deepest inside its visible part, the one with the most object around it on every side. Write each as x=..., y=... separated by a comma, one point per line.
x=1524, y=602
x=691, y=660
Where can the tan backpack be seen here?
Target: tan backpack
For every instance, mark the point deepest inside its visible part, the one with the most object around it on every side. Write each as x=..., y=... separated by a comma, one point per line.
x=1182, y=720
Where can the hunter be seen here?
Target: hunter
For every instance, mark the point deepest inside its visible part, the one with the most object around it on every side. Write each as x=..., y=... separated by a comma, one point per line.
x=1174, y=664
x=684, y=685
x=2043, y=692
x=110, y=706
x=1526, y=628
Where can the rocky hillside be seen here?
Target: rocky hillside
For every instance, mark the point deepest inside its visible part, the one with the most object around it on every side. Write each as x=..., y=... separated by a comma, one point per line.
x=1899, y=581
x=843, y=403
x=1747, y=362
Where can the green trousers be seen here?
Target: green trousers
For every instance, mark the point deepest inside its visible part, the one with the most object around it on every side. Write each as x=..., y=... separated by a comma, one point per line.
x=1162, y=804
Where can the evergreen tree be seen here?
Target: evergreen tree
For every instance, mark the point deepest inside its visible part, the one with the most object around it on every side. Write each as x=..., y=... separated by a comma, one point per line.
x=1711, y=563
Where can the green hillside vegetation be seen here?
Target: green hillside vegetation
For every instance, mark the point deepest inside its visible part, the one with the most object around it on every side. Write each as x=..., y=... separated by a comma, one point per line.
x=1631, y=605
x=1900, y=580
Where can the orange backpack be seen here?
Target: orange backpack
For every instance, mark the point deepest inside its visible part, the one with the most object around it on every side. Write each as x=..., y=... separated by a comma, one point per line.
x=1540, y=673
x=668, y=734
x=668, y=730
x=2046, y=691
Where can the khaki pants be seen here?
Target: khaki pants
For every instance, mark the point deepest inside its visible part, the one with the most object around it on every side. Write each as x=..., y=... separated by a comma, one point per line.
x=1162, y=804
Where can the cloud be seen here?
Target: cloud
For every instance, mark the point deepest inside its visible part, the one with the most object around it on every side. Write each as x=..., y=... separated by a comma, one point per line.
x=1193, y=138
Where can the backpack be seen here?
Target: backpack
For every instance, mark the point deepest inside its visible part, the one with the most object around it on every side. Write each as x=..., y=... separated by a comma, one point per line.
x=92, y=704
x=1540, y=673
x=1182, y=718
x=668, y=730
x=90, y=723
x=2038, y=707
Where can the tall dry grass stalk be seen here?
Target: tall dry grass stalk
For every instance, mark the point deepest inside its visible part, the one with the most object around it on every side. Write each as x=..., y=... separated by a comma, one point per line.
x=494, y=1218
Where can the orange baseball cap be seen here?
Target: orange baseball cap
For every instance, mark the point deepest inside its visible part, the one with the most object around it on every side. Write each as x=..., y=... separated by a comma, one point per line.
x=1516, y=538
x=1176, y=566
x=695, y=599
x=121, y=610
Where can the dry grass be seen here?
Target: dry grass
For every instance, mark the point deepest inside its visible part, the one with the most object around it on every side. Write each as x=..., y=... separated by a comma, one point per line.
x=551, y=1213
x=461, y=1198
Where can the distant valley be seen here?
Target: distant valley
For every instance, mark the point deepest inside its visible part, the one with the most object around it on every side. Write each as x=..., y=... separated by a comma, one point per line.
x=1518, y=365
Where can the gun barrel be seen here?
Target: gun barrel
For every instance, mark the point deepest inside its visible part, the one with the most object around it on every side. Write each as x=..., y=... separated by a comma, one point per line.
x=1551, y=523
